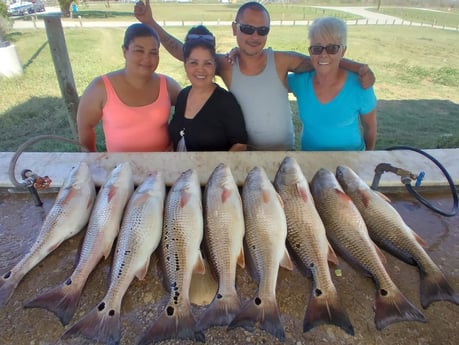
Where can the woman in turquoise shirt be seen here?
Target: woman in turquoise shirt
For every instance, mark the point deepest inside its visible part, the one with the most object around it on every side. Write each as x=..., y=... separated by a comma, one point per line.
x=336, y=112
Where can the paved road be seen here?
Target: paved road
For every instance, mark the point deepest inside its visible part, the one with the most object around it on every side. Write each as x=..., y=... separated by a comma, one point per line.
x=368, y=18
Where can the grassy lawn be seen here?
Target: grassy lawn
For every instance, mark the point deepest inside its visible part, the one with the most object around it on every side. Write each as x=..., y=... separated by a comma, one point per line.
x=417, y=72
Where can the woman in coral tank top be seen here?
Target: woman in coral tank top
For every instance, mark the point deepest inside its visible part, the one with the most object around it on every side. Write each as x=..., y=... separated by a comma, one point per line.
x=133, y=103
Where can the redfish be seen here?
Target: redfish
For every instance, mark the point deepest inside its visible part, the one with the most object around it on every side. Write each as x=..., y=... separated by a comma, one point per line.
x=103, y=227
x=307, y=240
x=347, y=232
x=67, y=217
x=138, y=238
x=388, y=229
x=265, y=237
x=181, y=255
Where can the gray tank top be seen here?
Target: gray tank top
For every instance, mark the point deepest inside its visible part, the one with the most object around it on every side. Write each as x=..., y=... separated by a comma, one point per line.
x=266, y=108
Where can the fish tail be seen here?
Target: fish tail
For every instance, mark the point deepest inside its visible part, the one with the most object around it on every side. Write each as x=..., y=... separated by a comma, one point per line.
x=173, y=323
x=435, y=287
x=326, y=309
x=220, y=312
x=101, y=324
x=392, y=306
x=8, y=283
x=62, y=301
x=263, y=311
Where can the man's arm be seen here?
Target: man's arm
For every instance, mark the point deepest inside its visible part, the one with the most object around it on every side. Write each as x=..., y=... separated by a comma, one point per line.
x=366, y=75
x=143, y=13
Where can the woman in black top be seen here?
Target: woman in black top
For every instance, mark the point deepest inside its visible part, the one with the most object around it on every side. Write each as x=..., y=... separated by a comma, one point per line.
x=207, y=117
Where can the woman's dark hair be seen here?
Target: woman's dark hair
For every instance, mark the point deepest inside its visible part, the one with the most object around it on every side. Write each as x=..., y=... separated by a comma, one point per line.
x=139, y=30
x=199, y=36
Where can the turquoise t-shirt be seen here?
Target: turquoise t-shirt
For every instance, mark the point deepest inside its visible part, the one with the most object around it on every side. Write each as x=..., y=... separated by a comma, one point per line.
x=333, y=126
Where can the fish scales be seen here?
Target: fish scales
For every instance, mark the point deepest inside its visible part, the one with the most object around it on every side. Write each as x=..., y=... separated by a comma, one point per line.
x=180, y=253
x=265, y=236
x=138, y=238
x=102, y=229
x=224, y=233
x=388, y=229
x=67, y=217
x=347, y=232
x=307, y=239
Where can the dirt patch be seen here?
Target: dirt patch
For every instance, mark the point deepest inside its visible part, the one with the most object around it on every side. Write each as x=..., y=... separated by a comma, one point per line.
x=144, y=300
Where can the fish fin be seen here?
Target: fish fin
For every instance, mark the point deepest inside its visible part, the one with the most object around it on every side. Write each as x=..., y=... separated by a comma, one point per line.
x=435, y=287
x=331, y=256
x=392, y=307
x=173, y=323
x=199, y=266
x=286, y=262
x=302, y=192
x=241, y=258
x=280, y=199
x=266, y=196
x=184, y=198
x=262, y=311
x=380, y=254
x=70, y=195
x=365, y=196
x=101, y=324
x=220, y=312
x=343, y=195
x=8, y=283
x=419, y=239
x=383, y=196
x=142, y=271
x=226, y=193
x=325, y=308
x=62, y=300
x=112, y=192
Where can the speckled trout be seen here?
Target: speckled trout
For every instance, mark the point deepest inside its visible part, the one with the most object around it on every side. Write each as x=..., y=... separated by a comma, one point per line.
x=67, y=217
x=265, y=237
x=181, y=255
x=347, y=232
x=223, y=233
x=388, y=229
x=103, y=227
x=138, y=238
x=308, y=244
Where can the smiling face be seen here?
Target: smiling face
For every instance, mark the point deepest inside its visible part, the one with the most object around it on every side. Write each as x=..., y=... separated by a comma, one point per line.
x=200, y=66
x=142, y=55
x=251, y=44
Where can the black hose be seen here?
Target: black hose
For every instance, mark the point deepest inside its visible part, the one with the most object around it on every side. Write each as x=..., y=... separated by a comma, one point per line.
x=419, y=197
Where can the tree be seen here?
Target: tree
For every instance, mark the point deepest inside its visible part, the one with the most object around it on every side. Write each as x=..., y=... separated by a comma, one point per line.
x=65, y=7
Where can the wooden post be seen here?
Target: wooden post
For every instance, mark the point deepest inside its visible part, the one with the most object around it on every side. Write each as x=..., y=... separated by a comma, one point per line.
x=63, y=68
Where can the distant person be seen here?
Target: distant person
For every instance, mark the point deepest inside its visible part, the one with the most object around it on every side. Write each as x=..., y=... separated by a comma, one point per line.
x=207, y=117
x=134, y=103
x=336, y=111
x=258, y=77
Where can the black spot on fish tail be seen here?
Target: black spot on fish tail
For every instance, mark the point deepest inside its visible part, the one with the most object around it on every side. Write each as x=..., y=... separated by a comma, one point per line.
x=392, y=307
x=173, y=324
x=62, y=301
x=101, y=325
x=325, y=308
x=263, y=312
x=220, y=311
x=7, y=287
x=434, y=287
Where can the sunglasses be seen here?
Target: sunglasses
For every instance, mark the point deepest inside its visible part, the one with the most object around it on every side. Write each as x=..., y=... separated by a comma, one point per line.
x=193, y=37
x=250, y=30
x=330, y=49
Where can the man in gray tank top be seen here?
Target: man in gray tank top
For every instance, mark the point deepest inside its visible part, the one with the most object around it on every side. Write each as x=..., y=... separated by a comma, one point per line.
x=258, y=77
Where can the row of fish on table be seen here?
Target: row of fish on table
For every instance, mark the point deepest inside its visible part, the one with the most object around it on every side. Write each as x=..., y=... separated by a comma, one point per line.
x=261, y=227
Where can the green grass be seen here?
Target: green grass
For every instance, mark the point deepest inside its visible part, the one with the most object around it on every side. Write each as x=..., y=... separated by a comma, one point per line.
x=441, y=17
x=417, y=71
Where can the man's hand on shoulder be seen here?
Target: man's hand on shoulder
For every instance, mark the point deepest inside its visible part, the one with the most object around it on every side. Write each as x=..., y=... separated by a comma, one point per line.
x=366, y=76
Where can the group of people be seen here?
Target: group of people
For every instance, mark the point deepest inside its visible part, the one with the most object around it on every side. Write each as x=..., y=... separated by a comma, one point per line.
x=336, y=100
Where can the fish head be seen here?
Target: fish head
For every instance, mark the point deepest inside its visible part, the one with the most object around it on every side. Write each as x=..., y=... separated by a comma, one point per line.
x=187, y=181
x=289, y=173
x=324, y=179
x=347, y=178
x=79, y=176
x=221, y=176
x=256, y=179
x=153, y=184
x=122, y=173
